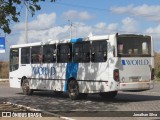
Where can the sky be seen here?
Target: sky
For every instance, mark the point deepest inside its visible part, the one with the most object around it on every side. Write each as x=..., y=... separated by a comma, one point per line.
x=99, y=17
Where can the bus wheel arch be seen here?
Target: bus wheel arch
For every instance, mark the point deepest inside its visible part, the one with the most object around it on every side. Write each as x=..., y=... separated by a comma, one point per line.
x=71, y=78
x=25, y=86
x=23, y=78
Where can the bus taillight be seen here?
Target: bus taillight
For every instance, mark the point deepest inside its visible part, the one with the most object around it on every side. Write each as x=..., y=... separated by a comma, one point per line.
x=116, y=75
x=152, y=74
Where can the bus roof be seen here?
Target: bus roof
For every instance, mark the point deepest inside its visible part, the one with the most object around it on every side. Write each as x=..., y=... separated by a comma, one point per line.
x=50, y=41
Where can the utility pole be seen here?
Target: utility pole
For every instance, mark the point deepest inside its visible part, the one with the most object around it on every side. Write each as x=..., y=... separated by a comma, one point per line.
x=70, y=23
x=26, y=24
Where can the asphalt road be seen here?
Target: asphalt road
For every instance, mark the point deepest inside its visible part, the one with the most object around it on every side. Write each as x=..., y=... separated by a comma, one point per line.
x=146, y=102
x=6, y=91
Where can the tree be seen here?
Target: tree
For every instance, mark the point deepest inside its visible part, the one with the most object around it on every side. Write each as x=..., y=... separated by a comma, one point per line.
x=9, y=12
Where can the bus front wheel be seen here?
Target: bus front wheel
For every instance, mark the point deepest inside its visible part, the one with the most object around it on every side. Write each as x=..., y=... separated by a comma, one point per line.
x=73, y=89
x=108, y=95
x=26, y=88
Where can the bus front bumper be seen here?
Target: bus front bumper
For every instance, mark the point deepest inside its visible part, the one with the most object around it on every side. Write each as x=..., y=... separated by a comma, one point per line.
x=137, y=86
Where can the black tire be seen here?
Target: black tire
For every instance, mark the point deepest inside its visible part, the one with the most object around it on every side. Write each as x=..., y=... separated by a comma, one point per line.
x=26, y=88
x=108, y=95
x=73, y=90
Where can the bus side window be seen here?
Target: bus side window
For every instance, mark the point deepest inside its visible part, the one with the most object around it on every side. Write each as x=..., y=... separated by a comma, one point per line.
x=86, y=52
x=25, y=55
x=120, y=48
x=49, y=53
x=40, y=55
x=36, y=54
x=77, y=52
x=64, y=54
x=145, y=49
x=99, y=51
x=81, y=52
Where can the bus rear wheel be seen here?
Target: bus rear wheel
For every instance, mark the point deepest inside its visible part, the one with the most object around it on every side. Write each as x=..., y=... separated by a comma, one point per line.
x=108, y=95
x=26, y=88
x=73, y=89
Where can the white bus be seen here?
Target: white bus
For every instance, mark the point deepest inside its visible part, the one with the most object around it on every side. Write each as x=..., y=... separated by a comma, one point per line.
x=98, y=64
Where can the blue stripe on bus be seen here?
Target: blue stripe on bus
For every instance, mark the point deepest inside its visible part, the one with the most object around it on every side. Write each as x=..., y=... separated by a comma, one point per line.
x=72, y=67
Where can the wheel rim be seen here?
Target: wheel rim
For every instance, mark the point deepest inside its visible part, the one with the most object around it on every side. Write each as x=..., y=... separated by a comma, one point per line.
x=25, y=87
x=73, y=88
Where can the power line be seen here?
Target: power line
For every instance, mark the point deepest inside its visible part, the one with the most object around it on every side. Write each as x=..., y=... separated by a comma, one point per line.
x=81, y=6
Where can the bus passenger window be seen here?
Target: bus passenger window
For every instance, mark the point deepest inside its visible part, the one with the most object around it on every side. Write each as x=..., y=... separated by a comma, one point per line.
x=36, y=54
x=40, y=55
x=120, y=48
x=64, y=54
x=25, y=55
x=49, y=53
x=145, y=49
x=130, y=51
x=81, y=52
x=99, y=51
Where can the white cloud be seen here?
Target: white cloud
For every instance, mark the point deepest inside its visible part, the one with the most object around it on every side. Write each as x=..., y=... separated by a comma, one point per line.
x=154, y=30
x=44, y=28
x=101, y=25
x=113, y=26
x=73, y=14
x=103, y=28
x=53, y=33
x=121, y=10
x=43, y=21
x=151, y=12
x=129, y=25
x=63, y=32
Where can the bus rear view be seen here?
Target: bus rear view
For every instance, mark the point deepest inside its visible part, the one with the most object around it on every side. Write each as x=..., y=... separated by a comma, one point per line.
x=136, y=62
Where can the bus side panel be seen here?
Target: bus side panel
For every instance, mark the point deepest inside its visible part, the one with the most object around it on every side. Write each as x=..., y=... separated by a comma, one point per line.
x=95, y=78
x=48, y=76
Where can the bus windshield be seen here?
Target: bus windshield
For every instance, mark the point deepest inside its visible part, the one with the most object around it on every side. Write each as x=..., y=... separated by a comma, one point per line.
x=133, y=46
